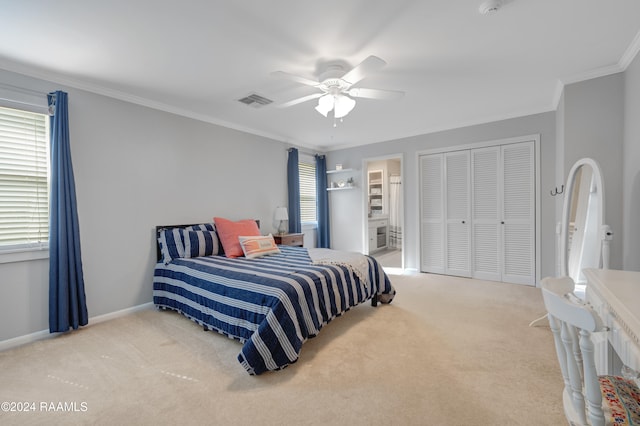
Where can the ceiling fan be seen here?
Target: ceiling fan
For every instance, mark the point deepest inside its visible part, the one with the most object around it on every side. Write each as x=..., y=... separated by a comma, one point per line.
x=335, y=85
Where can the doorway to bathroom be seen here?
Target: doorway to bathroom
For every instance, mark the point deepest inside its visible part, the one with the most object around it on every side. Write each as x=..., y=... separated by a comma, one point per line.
x=384, y=210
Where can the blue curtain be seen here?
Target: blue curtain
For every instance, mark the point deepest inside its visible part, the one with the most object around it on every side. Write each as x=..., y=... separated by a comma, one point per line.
x=67, y=300
x=293, y=182
x=322, y=203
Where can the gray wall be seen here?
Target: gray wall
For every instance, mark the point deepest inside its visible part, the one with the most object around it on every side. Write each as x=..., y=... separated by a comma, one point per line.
x=631, y=168
x=593, y=127
x=347, y=206
x=560, y=171
x=596, y=118
x=135, y=168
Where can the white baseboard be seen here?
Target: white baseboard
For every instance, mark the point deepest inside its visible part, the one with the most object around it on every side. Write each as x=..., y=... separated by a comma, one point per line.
x=120, y=313
x=400, y=271
x=44, y=334
x=23, y=340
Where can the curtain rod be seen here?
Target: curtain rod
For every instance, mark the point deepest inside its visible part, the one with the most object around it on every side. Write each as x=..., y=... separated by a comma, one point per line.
x=303, y=151
x=25, y=99
x=23, y=90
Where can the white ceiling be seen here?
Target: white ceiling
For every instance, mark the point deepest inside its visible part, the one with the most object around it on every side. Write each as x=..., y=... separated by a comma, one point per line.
x=197, y=58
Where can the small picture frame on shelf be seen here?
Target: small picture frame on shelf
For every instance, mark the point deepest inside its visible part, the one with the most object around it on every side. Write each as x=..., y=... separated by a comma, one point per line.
x=338, y=166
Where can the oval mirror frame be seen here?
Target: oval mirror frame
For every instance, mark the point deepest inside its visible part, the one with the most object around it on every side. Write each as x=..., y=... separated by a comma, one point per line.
x=595, y=192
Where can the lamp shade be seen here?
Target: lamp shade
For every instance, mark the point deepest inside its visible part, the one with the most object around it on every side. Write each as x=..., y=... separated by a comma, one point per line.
x=343, y=106
x=281, y=213
x=325, y=104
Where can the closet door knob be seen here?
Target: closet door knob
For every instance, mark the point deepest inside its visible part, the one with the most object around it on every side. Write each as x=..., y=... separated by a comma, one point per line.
x=463, y=221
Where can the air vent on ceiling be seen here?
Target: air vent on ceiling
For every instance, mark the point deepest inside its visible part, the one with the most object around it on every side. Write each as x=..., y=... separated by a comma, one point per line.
x=255, y=100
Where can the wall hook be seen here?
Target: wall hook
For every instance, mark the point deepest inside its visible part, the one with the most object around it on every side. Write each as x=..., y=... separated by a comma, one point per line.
x=555, y=191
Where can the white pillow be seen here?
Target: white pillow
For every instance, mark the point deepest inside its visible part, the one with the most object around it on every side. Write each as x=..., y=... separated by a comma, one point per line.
x=258, y=246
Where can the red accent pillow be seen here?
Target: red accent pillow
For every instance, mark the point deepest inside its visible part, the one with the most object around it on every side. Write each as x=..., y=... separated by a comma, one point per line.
x=229, y=231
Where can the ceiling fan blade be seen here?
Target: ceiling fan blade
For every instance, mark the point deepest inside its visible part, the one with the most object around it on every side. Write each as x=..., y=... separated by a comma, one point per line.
x=300, y=100
x=297, y=78
x=361, y=92
x=360, y=71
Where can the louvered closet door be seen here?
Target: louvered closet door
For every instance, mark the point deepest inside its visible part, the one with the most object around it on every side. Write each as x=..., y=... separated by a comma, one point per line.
x=485, y=213
x=431, y=214
x=457, y=214
x=518, y=227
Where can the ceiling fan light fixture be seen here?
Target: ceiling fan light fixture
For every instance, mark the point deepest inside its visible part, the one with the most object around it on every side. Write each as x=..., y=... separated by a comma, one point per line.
x=335, y=86
x=343, y=106
x=325, y=104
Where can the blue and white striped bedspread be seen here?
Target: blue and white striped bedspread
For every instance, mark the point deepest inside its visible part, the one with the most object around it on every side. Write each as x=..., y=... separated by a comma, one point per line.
x=271, y=304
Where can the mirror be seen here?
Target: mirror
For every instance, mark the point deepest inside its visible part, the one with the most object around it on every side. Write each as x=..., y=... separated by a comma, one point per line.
x=584, y=233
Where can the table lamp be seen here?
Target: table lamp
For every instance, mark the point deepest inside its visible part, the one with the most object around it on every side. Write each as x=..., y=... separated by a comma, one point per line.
x=282, y=216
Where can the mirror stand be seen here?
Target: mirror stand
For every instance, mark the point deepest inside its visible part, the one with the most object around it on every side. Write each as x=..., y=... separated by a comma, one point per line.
x=585, y=238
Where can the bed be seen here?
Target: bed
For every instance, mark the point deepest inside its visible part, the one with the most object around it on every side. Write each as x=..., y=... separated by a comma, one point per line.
x=271, y=304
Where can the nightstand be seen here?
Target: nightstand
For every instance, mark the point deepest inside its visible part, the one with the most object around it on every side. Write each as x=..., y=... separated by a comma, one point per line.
x=289, y=239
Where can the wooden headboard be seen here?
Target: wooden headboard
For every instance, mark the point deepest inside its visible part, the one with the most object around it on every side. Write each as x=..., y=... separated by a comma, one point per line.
x=161, y=227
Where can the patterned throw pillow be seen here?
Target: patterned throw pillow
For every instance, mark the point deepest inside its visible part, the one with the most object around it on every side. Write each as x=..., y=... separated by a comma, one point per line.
x=201, y=227
x=258, y=246
x=200, y=243
x=229, y=231
x=171, y=244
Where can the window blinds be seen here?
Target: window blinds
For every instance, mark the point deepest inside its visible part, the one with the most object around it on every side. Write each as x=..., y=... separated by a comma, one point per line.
x=24, y=190
x=307, y=172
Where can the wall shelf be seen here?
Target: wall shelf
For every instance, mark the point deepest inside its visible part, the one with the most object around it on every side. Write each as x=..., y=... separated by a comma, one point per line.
x=336, y=180
x=341, y=171
x=376, y=192
x=341, y=189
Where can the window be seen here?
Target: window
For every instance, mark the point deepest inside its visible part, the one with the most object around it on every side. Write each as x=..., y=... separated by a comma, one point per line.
x=307, y=172
x=24, y=183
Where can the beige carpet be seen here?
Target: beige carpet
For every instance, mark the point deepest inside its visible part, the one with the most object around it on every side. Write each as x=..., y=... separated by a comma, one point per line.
x=447, y=351
x=389, y=258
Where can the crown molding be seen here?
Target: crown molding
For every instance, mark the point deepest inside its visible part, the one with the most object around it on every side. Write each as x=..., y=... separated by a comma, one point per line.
x=631, y=52
x=557, y=95
x=64, y=80
x=450, y=126
x=35, y=72
x=591, y=74
x=576, y=78
x=627, y=57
